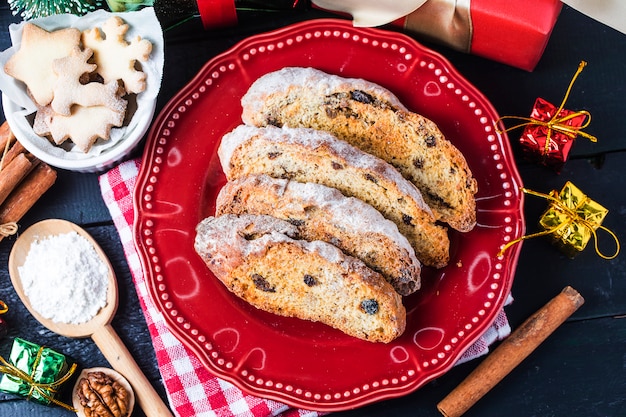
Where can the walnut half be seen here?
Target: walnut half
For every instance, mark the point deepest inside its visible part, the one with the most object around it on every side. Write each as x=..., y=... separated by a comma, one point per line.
x=102, y=392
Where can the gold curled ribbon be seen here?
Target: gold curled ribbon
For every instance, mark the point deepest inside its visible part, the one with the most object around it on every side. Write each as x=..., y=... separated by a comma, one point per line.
x=3, y=307
x=42, y=389
x=556, y=123
x=8, y=229
x=572, y=217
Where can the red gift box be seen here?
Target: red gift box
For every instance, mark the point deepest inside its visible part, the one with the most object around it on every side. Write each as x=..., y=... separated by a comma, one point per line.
x=543, y=143
x=507, y=31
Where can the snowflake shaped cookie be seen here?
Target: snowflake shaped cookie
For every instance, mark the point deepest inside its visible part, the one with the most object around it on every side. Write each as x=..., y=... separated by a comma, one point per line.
x=115, y=57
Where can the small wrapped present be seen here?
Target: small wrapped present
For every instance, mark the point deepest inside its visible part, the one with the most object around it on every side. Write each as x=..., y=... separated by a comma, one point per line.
x=570, y=220
x=544, y=144
x=550, y=131
x=35, y=372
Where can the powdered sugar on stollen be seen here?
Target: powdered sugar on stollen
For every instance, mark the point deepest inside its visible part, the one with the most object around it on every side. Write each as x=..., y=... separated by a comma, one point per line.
x=313, y=139
x=304, y=78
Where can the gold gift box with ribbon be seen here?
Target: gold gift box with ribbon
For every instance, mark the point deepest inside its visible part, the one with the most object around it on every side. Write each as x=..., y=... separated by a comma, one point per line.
x=572, y=219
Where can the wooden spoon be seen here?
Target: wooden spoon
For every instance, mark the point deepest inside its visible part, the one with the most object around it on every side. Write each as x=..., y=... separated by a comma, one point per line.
x=99, y=327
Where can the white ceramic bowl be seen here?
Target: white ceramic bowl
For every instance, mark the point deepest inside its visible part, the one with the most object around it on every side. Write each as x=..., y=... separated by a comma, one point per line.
x=124, y=140
x=95, y=161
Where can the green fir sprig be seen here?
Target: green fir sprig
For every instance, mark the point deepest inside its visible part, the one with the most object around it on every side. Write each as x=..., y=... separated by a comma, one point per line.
x=31, y=9
x=128, y=5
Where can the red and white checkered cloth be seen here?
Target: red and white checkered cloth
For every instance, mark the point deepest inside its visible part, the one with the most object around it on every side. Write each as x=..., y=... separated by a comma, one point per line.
x=191, y=389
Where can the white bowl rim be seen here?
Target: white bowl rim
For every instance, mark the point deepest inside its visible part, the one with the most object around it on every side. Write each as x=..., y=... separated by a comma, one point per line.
x=107, y=157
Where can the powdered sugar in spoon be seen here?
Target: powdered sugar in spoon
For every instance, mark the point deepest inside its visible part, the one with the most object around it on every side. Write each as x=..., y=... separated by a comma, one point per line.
x=99, y=327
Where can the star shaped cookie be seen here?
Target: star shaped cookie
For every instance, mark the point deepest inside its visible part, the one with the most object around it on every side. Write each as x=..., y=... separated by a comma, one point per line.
x=32, y=63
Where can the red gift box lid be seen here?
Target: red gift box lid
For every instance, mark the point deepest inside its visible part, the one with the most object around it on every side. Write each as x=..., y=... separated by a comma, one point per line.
x=513, y=32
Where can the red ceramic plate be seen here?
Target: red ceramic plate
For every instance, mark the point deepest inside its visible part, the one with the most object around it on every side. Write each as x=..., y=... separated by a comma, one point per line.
x=308, y=364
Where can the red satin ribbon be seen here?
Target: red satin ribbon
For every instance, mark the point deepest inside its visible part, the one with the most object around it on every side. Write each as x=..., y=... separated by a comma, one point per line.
x=217, y=13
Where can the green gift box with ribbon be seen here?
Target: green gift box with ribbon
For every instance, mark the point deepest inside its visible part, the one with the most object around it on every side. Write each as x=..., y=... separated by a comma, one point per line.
x=35, y=372
x=572, y=219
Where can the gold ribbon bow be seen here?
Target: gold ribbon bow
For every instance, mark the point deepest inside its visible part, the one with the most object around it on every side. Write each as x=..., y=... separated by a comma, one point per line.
x=3, y=307
x=42, y=389
x=571, y=217
x=556, y=123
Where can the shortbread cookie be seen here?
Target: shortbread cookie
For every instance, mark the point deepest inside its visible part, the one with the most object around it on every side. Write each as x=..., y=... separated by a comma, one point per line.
x=324, y=213
x=308, y=155
x=372, y=118
x=115, y=57
x=256, y=258
x=84, y=126
x=69, y=90
x=32, y=63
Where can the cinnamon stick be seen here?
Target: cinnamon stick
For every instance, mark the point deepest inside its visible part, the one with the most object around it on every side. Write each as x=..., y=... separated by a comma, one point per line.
x=511, y=352
x=16, y=149
x=5, y=135
x=26, y=194
x=13, y=173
